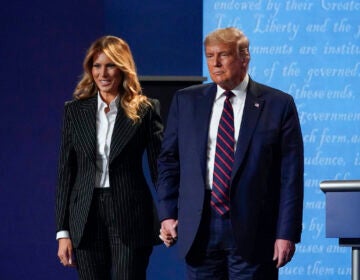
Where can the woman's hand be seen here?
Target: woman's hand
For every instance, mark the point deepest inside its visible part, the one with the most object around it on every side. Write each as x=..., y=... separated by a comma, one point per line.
x=65, y=252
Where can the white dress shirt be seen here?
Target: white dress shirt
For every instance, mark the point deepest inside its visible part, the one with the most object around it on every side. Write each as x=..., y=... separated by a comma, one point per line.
x=237, y=102
x=104, y=130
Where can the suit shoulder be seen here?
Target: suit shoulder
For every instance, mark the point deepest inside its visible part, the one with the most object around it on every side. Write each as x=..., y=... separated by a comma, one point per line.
x=149, y=108
x=150, y=105
x=74, y=103
x=69, y=103
x=195, y=89
x=268, y=91
x=154, y=102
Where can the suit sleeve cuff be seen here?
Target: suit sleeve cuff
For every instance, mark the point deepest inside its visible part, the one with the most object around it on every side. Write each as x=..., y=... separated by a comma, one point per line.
x=62, y=234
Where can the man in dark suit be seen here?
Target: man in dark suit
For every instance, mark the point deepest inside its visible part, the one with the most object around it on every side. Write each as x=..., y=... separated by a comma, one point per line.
x=230, y=180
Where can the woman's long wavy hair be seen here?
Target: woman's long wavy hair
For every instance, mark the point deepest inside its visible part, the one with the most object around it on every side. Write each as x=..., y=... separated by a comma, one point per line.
x=117, y=50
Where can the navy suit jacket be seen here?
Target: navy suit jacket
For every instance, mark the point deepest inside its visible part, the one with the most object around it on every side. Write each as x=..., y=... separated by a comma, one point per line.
x=267, y=178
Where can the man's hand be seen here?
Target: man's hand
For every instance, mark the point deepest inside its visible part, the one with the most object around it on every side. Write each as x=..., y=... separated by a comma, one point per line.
x=283, y=251
x=65, y=252
x=168, y=232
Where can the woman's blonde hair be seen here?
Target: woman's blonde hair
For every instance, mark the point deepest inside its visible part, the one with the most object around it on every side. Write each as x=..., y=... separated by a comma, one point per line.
x=117, y=50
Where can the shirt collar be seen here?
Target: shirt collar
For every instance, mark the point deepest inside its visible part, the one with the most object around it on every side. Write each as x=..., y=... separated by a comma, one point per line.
x=113, y=104
x=239, y=89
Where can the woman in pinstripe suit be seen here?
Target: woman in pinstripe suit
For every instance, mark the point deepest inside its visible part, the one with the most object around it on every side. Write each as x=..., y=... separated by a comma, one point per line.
x=106, y=222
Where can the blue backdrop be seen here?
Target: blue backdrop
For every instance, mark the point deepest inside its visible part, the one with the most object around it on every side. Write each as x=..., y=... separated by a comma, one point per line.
x=311, y=50
x=43, y=44
x=308, y=48
x=42, y=47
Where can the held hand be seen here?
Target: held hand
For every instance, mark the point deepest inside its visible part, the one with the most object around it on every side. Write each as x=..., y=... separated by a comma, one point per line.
x=168, y=232
x=283, y=252
x=65, y=252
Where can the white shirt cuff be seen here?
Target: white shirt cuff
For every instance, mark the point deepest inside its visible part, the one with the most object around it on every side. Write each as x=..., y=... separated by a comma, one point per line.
x=62, y=234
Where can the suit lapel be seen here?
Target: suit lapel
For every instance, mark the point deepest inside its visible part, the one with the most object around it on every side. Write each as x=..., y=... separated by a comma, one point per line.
x=204, y=103
x=85, y=126
x=252, y=111
x=124, y=129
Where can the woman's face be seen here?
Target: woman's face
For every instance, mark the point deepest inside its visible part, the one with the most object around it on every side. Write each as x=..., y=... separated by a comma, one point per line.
x=106, y=75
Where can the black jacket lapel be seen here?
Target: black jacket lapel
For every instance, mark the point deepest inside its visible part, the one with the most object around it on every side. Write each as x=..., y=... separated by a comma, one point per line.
x=124, y=129
x=85, y=126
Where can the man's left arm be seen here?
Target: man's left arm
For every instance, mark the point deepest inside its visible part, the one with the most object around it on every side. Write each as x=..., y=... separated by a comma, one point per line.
x=289, y=225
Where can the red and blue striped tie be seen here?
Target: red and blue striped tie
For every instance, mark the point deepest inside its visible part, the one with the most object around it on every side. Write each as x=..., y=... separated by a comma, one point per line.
x=224, y=159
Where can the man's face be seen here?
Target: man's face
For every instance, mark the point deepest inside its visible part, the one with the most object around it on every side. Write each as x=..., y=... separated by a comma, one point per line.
x=226, y=67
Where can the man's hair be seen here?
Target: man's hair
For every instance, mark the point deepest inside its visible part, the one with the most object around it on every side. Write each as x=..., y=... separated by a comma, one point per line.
x=230, y=35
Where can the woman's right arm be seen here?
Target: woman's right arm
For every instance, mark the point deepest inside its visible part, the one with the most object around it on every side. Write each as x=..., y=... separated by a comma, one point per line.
x=66, y=177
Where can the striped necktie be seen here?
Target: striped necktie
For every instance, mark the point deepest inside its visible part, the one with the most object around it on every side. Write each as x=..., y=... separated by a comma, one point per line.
x=224, y=159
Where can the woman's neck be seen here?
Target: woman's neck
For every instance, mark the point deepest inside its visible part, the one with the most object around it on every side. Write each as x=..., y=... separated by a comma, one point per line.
x=107, y=97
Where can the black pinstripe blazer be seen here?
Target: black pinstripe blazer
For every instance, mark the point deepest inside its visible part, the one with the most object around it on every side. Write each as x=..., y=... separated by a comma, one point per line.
x=134, y=207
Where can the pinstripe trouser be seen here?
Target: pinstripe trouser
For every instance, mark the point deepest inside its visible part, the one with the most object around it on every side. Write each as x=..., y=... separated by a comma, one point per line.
x=101, y=254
